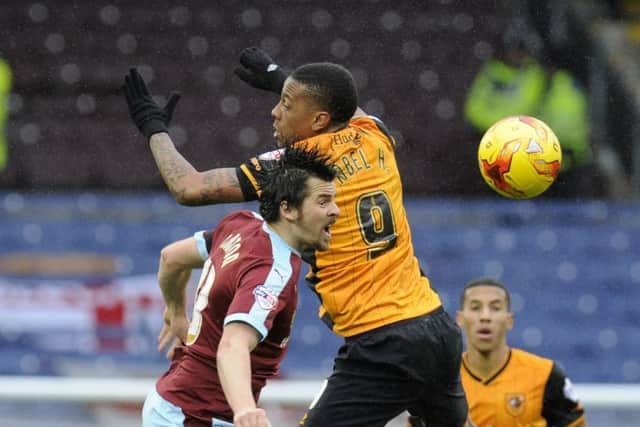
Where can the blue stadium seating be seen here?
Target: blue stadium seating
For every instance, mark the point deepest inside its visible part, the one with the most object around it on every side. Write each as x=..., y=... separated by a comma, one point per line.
x=573, y=267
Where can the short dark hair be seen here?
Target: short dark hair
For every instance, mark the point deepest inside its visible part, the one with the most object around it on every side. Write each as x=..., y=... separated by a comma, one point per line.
x=332, y=86
x=287, y=179
x=485, y=281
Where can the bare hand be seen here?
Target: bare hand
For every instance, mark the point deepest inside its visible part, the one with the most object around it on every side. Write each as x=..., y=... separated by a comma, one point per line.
x=255, y=417
x=173, y=333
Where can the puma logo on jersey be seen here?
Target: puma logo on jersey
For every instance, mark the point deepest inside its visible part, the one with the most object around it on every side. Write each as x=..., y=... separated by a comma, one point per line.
x=231, y=248
x=280, y=275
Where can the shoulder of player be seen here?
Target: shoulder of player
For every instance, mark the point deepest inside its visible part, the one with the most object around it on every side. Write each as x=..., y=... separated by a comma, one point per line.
x=353, y=133
x=373, y=124
x=239, y=225
x=531, y=360
x=266, y=245
x=368, y=123
x=241, y=216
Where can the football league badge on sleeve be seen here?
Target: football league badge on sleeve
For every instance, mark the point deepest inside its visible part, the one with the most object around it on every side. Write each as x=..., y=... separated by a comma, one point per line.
x=265, y=297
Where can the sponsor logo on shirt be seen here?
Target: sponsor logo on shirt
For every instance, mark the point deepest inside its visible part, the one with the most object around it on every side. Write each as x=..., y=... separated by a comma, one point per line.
x=265, y=297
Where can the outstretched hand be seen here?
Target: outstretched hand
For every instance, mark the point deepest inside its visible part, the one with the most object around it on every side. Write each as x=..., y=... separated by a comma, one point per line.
x=260, y=71
x=147, y=115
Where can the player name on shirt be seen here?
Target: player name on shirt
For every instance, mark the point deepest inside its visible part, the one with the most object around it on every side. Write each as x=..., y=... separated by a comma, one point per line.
x=353, y=162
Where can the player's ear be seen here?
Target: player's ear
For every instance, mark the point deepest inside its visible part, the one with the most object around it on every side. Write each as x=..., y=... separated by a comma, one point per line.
x=510, y=321
x=459, y=318
x=287, y=211
x=321, y=120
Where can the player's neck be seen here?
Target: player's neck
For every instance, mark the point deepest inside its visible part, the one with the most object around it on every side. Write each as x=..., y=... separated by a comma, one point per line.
x=485, y=364
x=284, y=231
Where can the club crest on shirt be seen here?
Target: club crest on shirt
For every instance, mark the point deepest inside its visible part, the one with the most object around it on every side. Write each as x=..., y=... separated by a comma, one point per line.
x=265, y=297
x=514, y=403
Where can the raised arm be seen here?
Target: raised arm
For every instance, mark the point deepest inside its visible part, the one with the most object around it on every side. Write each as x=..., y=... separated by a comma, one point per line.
x=187, y=185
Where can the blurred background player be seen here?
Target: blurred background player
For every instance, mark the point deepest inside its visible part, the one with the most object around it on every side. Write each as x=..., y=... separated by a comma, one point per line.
x=245, y=301
x=370, y=285
x=505, y=386
x=5, y=91
x=517, y=81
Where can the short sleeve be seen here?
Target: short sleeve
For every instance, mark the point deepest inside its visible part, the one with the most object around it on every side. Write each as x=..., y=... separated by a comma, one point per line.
x=250, y=173
x=560, y=406
x=203, y=243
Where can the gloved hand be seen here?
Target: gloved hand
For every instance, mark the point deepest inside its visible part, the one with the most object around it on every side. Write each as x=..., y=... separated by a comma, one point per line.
x=259, y=70
x=144, y=111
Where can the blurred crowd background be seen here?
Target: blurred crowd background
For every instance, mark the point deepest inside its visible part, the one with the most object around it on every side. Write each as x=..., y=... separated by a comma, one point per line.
x=414, y=62
x=84, y=212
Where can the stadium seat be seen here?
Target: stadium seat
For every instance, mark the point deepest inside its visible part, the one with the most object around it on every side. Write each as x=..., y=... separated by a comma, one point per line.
x=79, y=53
x=573, y=299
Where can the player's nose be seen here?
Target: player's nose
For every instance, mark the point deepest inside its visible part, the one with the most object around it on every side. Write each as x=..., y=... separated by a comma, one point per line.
x=334, y=210
x=485, y=314
x=275, y=111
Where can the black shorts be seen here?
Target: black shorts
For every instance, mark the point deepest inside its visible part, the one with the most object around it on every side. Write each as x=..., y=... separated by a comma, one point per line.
x=412, y=365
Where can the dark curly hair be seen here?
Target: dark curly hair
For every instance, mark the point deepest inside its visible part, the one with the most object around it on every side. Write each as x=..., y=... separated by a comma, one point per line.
x=286, y=179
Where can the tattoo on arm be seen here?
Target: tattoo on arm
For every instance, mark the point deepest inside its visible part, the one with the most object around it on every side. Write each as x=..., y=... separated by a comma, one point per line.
x=187, y=185
x=219, y=186
x=171, y=164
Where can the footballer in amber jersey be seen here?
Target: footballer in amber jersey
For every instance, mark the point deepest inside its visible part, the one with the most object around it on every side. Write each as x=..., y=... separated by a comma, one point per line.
x=528, y=391
x=369, y=277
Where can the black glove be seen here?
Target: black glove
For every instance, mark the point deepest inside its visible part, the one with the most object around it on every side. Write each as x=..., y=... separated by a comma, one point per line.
x=259, y=70
x=145, y=113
